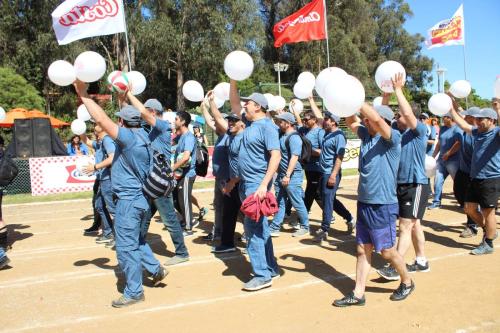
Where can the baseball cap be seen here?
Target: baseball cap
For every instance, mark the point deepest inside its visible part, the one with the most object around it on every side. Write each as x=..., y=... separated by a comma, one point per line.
x=129, y=114
x=331, y=116
x=286, y=116
x=154, y=104
x=470, y=111
x=424, y=116
x=385, y=112
x=232, y=116
x=257, y=98
x=487, y=113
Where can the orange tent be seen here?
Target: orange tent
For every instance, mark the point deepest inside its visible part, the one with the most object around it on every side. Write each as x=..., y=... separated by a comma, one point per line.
x=25, y=114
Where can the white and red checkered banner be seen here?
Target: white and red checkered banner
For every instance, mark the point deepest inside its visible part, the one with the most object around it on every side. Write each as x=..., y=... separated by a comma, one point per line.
x=52, y=175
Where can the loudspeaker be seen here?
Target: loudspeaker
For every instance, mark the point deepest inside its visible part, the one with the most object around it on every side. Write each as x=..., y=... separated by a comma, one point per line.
x=24, y=137
x=42, y=138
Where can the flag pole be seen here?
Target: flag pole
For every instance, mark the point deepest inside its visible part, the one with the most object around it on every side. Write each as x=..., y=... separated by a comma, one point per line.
x=126, y=38
x=326, y=30
x=465, y=61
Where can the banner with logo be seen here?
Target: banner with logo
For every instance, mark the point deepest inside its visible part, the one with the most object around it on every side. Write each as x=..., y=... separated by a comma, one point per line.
x=448, y=32
x=351, y=155
x=304, y=25
x=78, y=19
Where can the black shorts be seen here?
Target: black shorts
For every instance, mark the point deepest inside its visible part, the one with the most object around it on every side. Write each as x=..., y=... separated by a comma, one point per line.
x=412, y=199
x=485, y=192
x=461, y=186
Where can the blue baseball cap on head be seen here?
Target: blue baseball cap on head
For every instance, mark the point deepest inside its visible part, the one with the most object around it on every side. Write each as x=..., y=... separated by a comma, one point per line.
x=331, y=116
x=287, y=116
x=257, y=98
x=232, y=116
x=385, y=112
x=470, y=111
x=129, y=114
x=154, y=104
x=487, y=113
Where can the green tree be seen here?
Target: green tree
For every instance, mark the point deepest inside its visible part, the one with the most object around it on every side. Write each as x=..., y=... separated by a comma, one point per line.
x=16, y=92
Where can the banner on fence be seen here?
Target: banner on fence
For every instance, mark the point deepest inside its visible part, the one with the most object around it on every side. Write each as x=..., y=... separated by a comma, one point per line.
x=351, y=156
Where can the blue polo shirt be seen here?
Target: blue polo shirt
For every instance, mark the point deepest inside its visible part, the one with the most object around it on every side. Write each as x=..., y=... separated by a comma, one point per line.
x=466, y=151
x=378, y=167
x=412, y=164
x=431, y=135
x=447, y=138
x=234, y=152
x=258, y=140
x=486, y=155
x=220, y=157
x=108, y=148
x=132, y=160
x=161, y=137
x=187, y=142
x=295, y=145
x=332, y=146
x=315, y=135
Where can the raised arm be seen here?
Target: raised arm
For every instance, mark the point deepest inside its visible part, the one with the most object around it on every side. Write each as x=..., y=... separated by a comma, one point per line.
x=145, y=114
x=86, y=140
x=208, y=118
x=316, y=110
x=295, y=113
x=353, y=122
x=220, y=123
x=405, y=110
x=377, y=122
x=458, y=119
x=96, y=111
x=234, y=98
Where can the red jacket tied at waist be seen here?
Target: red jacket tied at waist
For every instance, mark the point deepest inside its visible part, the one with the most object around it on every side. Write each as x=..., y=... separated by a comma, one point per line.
x=254, y=208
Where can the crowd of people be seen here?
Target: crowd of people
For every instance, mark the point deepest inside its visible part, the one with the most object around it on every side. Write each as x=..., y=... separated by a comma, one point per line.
x=264, y=157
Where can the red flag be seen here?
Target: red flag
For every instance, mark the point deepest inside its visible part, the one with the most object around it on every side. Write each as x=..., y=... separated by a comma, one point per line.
x=304, y=25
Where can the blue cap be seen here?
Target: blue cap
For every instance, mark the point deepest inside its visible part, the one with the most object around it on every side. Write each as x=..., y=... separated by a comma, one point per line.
x=129, y=114
x=232, y=116
x=331, y=116
x=287, y=116
x=424, y=115
x=385, y=112
x=487, y=113
x=257, y=98
x=470, y=111
x=154, y=104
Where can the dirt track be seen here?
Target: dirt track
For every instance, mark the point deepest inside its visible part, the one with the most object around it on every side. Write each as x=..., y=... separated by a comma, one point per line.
x=63, y=281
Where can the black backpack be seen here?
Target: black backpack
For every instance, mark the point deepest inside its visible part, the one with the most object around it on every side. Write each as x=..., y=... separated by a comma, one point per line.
x=8, y=170
x=202, y=159
x=306, y=153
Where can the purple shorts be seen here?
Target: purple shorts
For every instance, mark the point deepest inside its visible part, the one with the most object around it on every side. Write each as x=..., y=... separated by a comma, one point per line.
x=376, y=225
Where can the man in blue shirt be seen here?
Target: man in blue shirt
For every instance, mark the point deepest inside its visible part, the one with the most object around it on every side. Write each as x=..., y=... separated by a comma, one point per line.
x=484, y=187
x=413, y=185
x=160, y=135
x=131, y=165
x=257, y=162
x=430, y=133
x=289, y=179
x=447, y=147
x=330, y=160
x=377, y=201
x=185, y=160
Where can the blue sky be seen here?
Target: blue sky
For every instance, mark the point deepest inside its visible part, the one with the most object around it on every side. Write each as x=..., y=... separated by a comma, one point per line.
x=482, y=43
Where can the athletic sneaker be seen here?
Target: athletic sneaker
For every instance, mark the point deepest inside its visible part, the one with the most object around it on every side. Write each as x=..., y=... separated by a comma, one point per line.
x=434, y=205
x=257, y=284
x=301, y=232
x=209, y=237
x=389, y=273
x=416, y=267
x=125, y=301
x=4, y=262
x=223, y=249
x=349, y=300
x=468, y=232
x=92, y=230
x=158, y=277
x=176, y=260
x=110, y=245
x=104, y=239
x=483, y=248
x=203, y=212
x=320, y=236
x=188, y=233
x=195, y=223
x=274, y=233
x=294, y=224
x=402, y=292
x=351, y=225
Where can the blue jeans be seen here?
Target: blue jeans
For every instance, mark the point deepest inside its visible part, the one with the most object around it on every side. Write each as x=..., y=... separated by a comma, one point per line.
x=105, y=206
x=294, y=193
x=330, y=203
x=165, y=206
x=443, y=169
x=2, y=253
x=131, y=223
x=259, y=242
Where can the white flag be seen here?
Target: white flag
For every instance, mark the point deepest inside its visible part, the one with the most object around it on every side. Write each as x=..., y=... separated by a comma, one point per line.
x=448, y=32
x=78, y=19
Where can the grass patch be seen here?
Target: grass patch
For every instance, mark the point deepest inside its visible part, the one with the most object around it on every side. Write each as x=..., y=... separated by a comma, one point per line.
x=349, y=172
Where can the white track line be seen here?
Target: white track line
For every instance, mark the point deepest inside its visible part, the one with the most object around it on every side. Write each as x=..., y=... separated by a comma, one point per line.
x=197, y=302
x=489, y=324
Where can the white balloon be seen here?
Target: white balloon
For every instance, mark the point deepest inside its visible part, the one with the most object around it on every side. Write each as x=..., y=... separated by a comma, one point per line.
x=221, y=91
x=138, y=81
x=430, y=166
x=377, y=101
x=345, y=96
x=78, y=127
x=170, y=117
x=497, y=88
x=387, y=71
x=440, y=104
x=302, y=90
x=280, y=103
x=238, y=65
x=90, y=66
x=270, y=102
x=297, y=105
x=193, y=91
x=308, y=79
x=460, y=89
x=325, y=77
x=82, y=113
x=62, y=73
x=2, y=113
